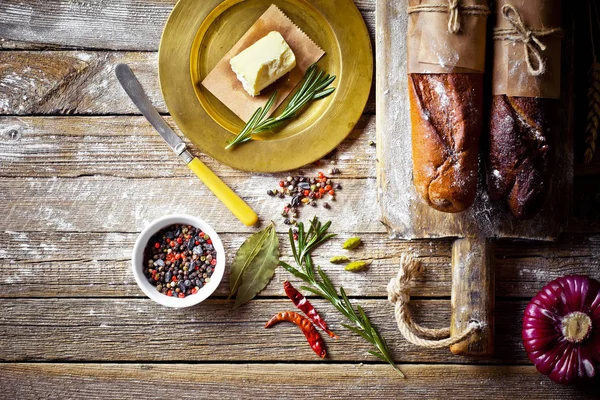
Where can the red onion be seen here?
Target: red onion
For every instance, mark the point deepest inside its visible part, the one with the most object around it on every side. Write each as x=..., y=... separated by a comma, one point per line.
x=561, y=329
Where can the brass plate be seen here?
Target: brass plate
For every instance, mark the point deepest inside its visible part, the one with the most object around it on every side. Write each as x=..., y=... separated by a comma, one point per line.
x=198, y=34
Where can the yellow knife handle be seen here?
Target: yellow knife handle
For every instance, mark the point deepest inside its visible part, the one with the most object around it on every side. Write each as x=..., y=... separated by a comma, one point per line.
x=236, y=205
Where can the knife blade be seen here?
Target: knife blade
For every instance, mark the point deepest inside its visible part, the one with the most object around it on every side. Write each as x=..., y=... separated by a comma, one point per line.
x=232, y=201
x=136, y=93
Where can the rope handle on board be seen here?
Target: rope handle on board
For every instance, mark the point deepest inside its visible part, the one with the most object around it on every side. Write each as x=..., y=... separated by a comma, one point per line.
x=398, y=289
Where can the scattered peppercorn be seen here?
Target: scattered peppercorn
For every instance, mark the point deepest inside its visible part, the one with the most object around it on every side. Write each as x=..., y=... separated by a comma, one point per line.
x=179, y=260
x=304, y=191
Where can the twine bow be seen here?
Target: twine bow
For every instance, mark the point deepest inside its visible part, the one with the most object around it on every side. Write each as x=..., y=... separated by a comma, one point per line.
x=453, y=21
x=453, y=8
x=532, y=45
x=398, y=295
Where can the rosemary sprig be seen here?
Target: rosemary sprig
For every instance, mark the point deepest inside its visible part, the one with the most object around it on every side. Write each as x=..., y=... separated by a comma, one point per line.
x=314, y=87
x=322, y=286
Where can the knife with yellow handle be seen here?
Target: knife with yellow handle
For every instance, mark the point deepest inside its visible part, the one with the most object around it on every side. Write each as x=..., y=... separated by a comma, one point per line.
x=134, y=89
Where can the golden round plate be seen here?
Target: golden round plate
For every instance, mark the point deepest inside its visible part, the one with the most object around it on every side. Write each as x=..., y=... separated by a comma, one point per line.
x=200, y=32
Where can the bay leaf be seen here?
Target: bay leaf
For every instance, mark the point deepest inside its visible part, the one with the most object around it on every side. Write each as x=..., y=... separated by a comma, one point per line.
x=254, y=265
x=259, y=266
x=244, y=256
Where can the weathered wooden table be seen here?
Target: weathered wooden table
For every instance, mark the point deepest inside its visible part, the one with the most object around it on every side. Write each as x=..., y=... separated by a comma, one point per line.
x=81, y=173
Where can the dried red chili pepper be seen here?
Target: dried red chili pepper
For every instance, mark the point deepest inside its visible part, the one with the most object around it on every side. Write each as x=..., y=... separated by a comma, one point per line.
x=303, y=304
x=312, y=335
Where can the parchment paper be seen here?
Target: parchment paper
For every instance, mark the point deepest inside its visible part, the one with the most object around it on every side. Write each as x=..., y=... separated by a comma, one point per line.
x=432, y=49
x=510, y=74
x=223, y=83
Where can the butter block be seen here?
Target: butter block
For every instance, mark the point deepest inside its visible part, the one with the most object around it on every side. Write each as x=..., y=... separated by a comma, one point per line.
x=263, y=63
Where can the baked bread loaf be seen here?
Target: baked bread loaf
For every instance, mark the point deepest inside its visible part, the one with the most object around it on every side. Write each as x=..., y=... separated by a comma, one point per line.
x=521, y=154
x=446, y=117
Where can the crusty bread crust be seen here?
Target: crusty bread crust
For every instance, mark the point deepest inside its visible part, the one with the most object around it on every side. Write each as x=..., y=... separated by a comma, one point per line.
x=446, y=116
x=521, y=155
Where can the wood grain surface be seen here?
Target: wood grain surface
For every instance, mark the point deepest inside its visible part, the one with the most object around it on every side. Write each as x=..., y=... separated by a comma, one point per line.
x=41, y=263
x=110, y=24
x=137, y=330
x=81, y=173
x=128, y=147
x=473, y=295
x=276, y=381
x=73, y=82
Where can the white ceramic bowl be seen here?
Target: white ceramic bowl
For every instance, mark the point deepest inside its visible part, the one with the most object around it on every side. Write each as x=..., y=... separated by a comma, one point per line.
x=138, y=260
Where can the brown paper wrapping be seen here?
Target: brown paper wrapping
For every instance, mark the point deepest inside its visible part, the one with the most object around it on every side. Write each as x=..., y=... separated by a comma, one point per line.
x=432, y=49
x=223, y=83
x=510, y=75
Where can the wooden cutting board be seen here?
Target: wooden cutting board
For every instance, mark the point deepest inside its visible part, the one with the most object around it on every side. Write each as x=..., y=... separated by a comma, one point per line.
x=407, y=217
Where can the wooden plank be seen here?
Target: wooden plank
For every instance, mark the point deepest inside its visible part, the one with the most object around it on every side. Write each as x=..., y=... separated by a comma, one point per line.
x=140, y=330
x=73, y=82
x=129, y=147
x=127, y=205
x=104, y=204
x=112, y=24
x=276, y=381
x=126, y=147
x=72, y=146
x=39, y=264
x=78, y=82
x=473, y=295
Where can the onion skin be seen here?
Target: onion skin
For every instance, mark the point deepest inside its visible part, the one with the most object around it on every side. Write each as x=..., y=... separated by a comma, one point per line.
x=565, y=361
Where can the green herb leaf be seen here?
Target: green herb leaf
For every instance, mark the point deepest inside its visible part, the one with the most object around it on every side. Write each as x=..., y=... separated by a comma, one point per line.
x=347, y=303
x=358, y=332
x=244, y=256
x=293, y=271
x=325, y=278
x=377, y=354
x=364, y=318
x=254, y=265
x=314, y=291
